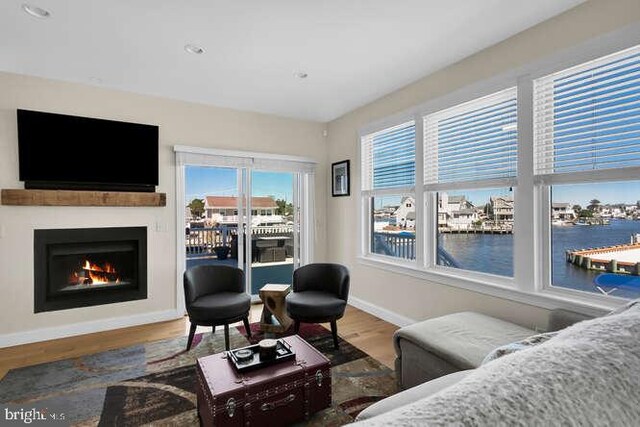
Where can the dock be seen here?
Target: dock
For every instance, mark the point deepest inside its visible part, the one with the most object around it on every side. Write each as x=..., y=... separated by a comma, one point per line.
x=622, y=259
x=474, y=230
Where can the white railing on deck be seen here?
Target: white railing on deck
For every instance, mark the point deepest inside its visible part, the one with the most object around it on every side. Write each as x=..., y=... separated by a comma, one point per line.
x=204, y=240
x=396, y=245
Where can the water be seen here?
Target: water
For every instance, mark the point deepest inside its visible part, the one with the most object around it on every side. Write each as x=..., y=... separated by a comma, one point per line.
x=488, y=253
x=493, y=253
x=567, y=275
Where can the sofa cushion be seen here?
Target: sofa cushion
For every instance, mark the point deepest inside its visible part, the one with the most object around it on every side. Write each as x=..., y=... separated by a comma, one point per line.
x=411, y=395
x=511, y=348
x=462, y=339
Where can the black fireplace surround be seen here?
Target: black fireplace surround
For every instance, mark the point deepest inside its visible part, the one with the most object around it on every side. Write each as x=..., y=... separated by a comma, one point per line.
x=89, y=266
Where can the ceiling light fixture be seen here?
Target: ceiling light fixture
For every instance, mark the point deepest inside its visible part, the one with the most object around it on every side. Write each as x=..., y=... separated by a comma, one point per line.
x=300, y=75
x=35, y=11
x=192, y=48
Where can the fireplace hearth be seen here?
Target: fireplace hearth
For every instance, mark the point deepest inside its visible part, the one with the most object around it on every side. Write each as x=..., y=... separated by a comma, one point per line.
x=90, y=266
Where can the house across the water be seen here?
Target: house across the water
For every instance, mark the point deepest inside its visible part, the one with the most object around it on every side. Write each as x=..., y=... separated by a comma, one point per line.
x=224, y=210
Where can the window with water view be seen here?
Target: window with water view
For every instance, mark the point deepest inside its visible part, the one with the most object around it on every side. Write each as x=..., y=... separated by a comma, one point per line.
x=475, y=230
x=394, y=226
x=587, y=128
x=580, y=203
x=389, y=167
x=468, y=144
x=595, y=229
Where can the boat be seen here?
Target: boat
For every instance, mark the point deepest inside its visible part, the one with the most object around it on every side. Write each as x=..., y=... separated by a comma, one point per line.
x=610, y=282
x=406, y=234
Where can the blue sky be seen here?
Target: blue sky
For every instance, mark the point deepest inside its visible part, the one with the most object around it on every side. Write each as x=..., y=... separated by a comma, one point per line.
x=212, y=181
x=606, y=192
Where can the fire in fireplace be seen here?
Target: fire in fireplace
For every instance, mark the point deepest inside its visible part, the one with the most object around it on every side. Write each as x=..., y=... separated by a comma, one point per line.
x=91, y=274
x=84, y=267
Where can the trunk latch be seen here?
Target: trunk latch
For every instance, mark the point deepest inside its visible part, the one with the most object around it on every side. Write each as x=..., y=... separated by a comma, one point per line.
x=231, y=407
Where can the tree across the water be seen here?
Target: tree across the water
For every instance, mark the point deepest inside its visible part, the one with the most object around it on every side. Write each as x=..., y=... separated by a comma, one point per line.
x=197, y=207
x=284, y=208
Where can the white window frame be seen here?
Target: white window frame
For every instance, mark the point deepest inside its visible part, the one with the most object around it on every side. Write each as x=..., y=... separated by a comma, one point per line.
x=367, y=224
x=531, y=281
x=431, y=203
x=366, y=195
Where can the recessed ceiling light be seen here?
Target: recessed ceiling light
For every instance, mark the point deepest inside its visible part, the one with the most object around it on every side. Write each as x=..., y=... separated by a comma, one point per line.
x=300, y=75
x=192, y=48
x=35, y=11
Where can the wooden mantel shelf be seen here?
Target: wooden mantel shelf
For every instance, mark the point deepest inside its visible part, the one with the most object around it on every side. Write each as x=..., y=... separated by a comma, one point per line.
x=18, y=197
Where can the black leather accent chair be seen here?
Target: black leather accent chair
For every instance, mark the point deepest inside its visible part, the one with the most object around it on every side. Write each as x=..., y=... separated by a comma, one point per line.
x=215, y=295
x=320, y=293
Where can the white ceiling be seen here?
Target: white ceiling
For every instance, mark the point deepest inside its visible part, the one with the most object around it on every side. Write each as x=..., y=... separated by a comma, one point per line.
x=353, y=50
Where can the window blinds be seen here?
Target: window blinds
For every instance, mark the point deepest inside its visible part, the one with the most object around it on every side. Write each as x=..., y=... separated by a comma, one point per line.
x=199, y=159
x=196, y=156
x=474, y=141
x=388, y=158
x=588, y=117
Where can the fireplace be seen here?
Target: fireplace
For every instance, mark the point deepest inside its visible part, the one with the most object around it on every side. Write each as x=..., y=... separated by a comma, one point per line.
x=89, y=266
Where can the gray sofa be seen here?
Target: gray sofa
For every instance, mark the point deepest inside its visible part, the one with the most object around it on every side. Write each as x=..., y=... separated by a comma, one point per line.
x=434, y=354
x=432, y=348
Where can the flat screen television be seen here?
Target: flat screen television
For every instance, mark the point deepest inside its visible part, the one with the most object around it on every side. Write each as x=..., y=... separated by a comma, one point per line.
x=58, y=151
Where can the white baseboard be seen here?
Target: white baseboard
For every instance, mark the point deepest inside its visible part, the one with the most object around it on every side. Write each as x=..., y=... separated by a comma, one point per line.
x=382, y=313
x=45, y=334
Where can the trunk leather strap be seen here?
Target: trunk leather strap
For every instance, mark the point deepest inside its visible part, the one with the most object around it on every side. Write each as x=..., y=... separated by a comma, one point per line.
x=269, y=406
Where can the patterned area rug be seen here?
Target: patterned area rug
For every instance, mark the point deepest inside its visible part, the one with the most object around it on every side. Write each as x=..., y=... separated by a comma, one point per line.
x=155, y=383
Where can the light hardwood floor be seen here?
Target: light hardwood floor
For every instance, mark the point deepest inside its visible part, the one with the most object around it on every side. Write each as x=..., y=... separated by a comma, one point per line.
x=367, y=332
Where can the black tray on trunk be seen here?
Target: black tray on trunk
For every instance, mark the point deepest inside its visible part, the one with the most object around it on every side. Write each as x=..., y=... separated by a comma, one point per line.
x=283, y=352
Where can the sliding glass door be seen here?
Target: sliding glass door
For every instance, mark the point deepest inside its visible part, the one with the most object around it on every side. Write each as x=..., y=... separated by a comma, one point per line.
x=274, y=245
x=214, y=216
x=245, y=218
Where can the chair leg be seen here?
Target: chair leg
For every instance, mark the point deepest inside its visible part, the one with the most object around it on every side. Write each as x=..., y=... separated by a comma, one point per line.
x=334, y=332
x=192, y=332
x=226, y=336
x=247, y=327
x=213, y=330
x=296, y=326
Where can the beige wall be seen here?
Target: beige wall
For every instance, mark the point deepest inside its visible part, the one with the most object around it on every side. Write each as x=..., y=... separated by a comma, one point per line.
x=416, y=298
x=180, y=123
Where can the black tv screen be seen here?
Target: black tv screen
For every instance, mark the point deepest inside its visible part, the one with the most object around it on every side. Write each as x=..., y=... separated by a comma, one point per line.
x=69, y=152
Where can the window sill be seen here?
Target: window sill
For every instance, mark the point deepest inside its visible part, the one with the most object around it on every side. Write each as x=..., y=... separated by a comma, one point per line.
x=547, y=299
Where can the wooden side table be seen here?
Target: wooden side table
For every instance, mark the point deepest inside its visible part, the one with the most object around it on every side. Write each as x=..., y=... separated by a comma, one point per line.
x=274, y=311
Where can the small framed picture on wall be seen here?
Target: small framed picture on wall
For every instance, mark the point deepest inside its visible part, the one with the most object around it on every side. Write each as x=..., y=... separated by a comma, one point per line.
x=340, y=180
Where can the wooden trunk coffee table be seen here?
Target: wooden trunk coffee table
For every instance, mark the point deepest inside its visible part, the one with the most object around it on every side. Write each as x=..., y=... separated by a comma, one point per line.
x=274, y=311
x=277, y=395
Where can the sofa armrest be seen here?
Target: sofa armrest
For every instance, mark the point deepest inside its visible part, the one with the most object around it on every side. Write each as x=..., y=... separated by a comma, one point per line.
x=446, y=344
x=416, y=365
